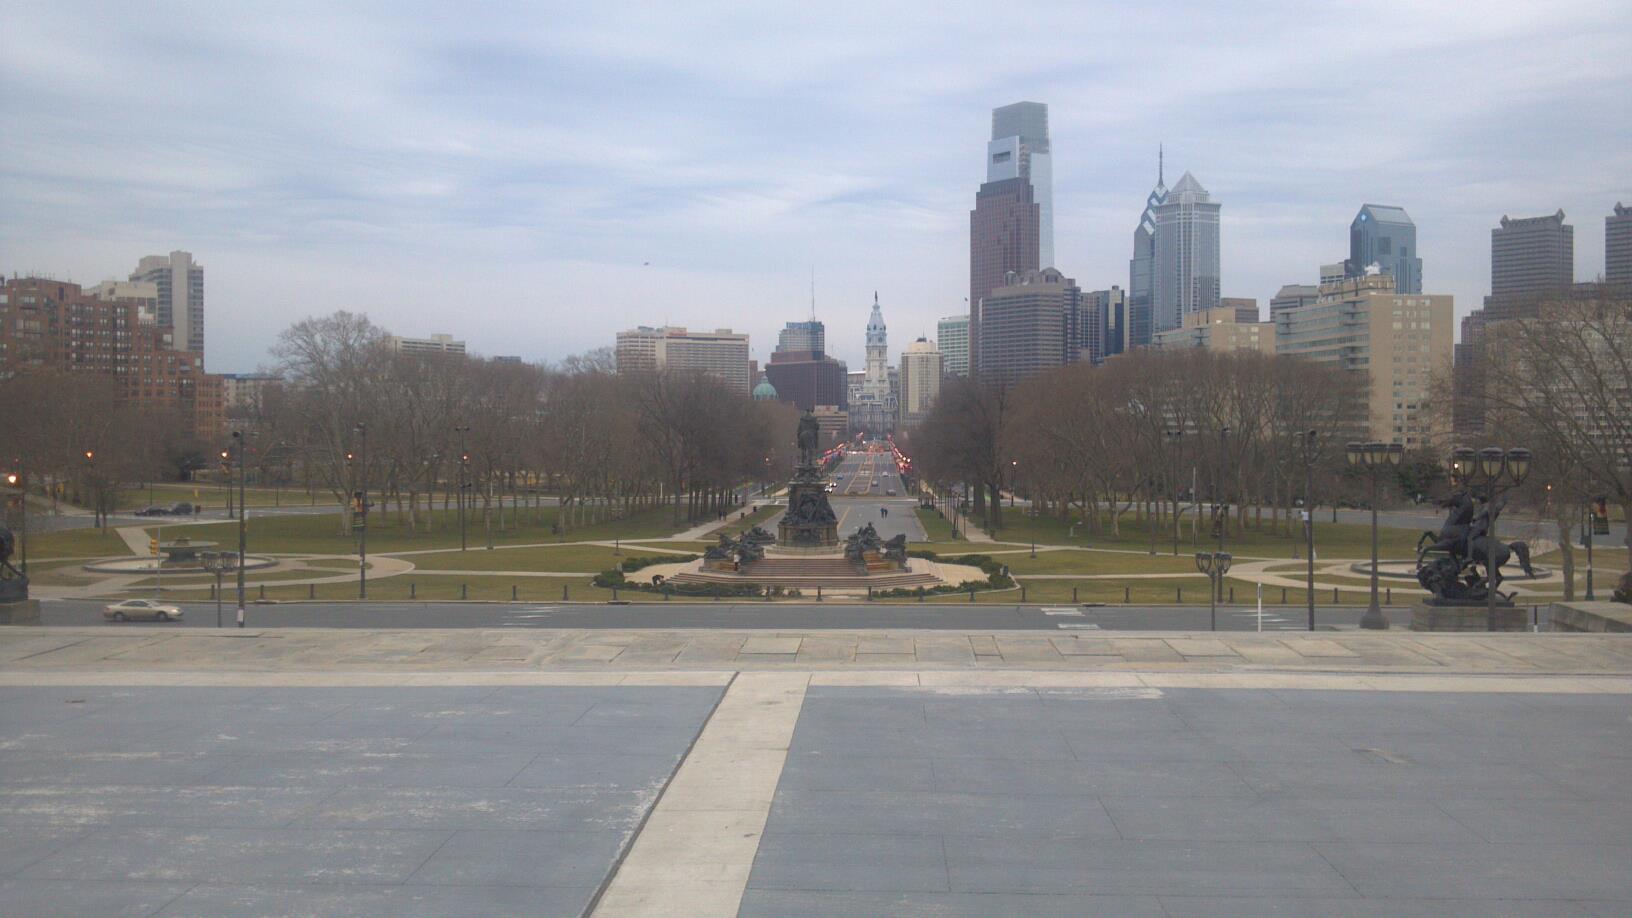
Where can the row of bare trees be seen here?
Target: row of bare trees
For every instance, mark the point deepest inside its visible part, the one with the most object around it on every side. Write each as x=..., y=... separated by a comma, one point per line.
x=416, y=426
x=1144, y=432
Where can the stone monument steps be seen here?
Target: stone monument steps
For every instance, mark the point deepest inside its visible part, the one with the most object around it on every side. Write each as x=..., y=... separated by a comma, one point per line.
x=772, y=567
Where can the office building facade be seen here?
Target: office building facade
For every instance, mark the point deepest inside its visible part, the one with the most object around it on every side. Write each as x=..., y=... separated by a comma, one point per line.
x=810, y=335
x=1224, y=329
x=952, y=340
x=1020, y=148
x=437, y=345
x=1028, y=326
x=1618, y=246
x=179, y=284
x=1003, y=239
x=1142, y=267
x=1291, y=296
x=721, y=353
x=1531, y=256
x=1383, y=235
x=1108, y=309
x=921, y=371
x=1186, y=273
x=1398, y=340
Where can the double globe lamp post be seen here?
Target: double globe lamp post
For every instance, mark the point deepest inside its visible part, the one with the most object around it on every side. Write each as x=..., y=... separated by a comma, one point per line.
x=1377, y=459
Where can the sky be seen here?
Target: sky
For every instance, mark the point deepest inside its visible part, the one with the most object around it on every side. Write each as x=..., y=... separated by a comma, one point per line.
x=535, y=177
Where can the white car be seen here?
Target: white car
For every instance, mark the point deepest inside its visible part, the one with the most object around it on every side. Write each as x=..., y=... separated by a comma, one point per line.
x=141, y=608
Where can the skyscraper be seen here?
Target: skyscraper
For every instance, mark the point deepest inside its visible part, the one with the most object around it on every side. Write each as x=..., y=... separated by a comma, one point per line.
x=1385, y=236
x=1142, y=268
x=1187, y=273
x=1618, y=246
x=952, y=340
x=1109, y=310
x=1031, y=324
x=1003, y=239
x=721, y=353
x=1531, y=256
x=803, y=336
x=921, y=370
x=181, y=295
x=1020, y=149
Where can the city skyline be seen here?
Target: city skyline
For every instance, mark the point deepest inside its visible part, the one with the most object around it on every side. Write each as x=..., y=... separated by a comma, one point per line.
x=705, y=186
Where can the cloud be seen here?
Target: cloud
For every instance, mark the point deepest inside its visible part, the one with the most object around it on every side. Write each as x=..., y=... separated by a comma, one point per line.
x=503, y=173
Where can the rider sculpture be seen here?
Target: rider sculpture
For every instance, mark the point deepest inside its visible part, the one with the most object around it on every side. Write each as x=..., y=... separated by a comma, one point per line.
x=1461, y=562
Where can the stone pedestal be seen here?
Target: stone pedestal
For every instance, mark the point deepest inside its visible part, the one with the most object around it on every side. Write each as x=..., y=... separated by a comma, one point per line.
x=810, y=521
x=1427, y=615
x=20, y=612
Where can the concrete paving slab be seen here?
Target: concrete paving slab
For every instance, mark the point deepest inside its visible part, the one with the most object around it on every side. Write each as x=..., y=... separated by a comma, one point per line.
x=887, y=863
x=77, y=898
x=1483, y=871
x=767, y=903
x=406, y=901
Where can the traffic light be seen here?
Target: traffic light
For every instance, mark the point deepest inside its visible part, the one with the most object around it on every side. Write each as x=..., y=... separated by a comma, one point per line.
x=153, y=547
x=358, y=507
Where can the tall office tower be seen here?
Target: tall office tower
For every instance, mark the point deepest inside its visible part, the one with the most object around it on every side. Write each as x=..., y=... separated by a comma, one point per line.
x=1020, y=149
x=1531, y=256
x=1142, y=267
x=1291, y=296
x=952, y=340
x=803, y=336
x=921, y=369
x=180, y=284
x=1003, y=239
x=721, y=353
x=1187, y=274
x=1031, y=324
x=1385, y=236
x=1618, y=246
x=1109, y=309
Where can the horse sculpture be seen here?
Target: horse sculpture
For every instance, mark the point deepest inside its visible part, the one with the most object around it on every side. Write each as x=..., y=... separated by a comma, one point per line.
x=1461, y=562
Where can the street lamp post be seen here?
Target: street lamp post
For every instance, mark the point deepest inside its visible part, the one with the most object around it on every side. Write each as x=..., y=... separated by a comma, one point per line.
x=362, y=508
x=1308, y=437
x=1215, y=564
x=1221, y=512
x=240, y=447
x=1592, y=519
x=464, y=466
x=16, y=480
x=1492, y=471
x=1376, y=458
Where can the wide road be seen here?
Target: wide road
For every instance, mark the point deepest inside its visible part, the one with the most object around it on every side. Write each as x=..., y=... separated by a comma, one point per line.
x=846, y=615
x=864, y=482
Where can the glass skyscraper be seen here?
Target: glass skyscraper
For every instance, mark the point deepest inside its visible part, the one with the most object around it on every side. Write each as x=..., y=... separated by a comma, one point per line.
x=1142, y=267
x=1020, y=149
x=1186, y=276
x=1385, y=236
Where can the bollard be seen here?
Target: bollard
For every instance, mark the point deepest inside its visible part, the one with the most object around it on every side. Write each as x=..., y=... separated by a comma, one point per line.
x=1232, y=594
x=614, y=594
x=1127, y=595
x=716, y=597
x=1283, y=596
x=1180, y=596
x=413, y=591
x=512, y=592
x=665, y=592
x=212, y=591
x=1022, y=592
x=311, y=591
x=463, y=591
x=263, y=591
x=563, y=592
x=1073, y=596
x=971, y=594
x=1388, y=596
x=920, y=594
x=1335, y=600
x=1535, y=618
x=818, y=594
x=869, y=594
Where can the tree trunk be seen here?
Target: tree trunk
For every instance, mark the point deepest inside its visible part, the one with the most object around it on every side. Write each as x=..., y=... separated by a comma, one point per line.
x=1568, y=551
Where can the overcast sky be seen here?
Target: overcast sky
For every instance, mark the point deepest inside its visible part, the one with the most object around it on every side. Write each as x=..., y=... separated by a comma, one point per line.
x=535, y=177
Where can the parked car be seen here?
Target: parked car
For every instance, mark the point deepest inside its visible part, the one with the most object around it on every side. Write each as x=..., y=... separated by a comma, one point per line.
x=153, y=511
x=132, y=609
x=181, y=509
x=889, y=492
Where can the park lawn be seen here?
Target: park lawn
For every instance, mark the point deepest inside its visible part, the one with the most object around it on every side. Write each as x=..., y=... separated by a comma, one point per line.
x=210, y=494
x=1178, y=591
x=1337, y=540
x=75, y=543
x=736, y=523
x=938, y=528
x=320, y=533
x=1068, y=561
x=696, y=547
x=588, y=558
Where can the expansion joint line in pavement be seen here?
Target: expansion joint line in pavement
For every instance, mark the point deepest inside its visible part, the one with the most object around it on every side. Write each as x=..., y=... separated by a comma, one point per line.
x=693, y=853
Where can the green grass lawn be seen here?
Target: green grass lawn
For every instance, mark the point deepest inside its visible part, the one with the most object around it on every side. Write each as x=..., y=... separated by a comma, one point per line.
x=588, y=558
x=938, y=528
x=1339, y=540
x=319, y=534
x=1094, y=562
x=736, y=523
x=210, y=494
x=75, y=543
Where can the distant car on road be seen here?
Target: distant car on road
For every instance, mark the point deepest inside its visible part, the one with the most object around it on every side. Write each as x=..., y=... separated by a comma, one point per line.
x=181, y=509
x=153, y=511
x=889, y=492
x=132, y=609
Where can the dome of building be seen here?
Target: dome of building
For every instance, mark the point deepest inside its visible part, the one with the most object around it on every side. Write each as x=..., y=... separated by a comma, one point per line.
x=764, y=392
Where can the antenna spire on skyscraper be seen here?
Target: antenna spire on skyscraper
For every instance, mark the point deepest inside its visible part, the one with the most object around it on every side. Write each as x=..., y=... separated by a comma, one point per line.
x=1159, y=165
x=812, y=294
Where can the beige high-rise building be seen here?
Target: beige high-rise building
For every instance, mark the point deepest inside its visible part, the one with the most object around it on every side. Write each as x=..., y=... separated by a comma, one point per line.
x=921, y=370
x=435, y=344
x=722, y=353
x=1219, y=329
x=1400, y=340
x=179, y=282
